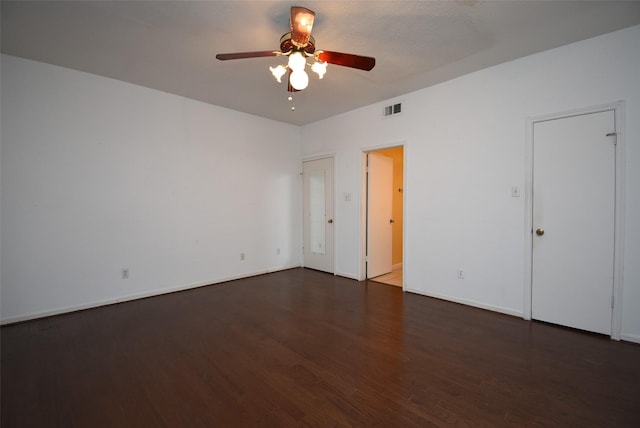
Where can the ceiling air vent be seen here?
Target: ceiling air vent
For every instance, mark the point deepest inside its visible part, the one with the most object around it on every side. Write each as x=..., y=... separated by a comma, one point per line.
x=392, y=110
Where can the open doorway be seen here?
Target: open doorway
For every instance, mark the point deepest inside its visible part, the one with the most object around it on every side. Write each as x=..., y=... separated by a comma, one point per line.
x=383, y=215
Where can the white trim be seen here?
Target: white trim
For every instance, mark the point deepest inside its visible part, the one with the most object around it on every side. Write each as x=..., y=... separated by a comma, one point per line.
x=618, y=251
x=336, y=225
x=347, y=275
x=130, y=297
x=528, y=219
x=318, y=156
x=630, y=338
x=367, y=149
x=467, y=302
x=405, y=149
x=363, y=216
x=618, y=256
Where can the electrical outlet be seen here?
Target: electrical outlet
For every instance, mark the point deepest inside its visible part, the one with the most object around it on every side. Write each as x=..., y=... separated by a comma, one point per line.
x=241, y=256
x=125, y=273
x=460, y=274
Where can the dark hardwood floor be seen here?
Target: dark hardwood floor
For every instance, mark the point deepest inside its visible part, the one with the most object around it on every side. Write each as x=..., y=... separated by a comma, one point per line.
x=304, y=348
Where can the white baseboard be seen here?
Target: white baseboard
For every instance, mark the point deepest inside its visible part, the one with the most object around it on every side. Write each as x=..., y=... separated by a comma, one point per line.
x=626, y=337
x=347, y=275
x=630, y=338
x=467, y=302
x=127, y=298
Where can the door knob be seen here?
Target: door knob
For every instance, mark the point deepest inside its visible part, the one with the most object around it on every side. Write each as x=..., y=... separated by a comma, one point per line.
x=330, y=221
x=539, y=231
x=391, y=221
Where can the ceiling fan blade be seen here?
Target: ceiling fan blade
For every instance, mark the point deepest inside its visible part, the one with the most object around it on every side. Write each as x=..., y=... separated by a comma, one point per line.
x=242, y=55
x=301, y=25
x=347, y=60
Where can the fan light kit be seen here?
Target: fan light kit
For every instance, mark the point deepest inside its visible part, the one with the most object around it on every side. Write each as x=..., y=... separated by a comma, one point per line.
x=298, y=46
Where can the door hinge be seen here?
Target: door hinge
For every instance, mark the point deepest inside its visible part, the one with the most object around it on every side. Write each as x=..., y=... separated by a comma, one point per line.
x=611, y=302
x=613, y=134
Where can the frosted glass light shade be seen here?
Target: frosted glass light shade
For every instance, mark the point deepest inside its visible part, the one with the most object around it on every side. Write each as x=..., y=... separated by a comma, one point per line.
x=320, y=68
x=297, y=61
x=299, y=79
x=278, y=72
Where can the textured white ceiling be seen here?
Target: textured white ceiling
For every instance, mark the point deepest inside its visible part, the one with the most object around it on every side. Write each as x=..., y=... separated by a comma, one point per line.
x=171, y=45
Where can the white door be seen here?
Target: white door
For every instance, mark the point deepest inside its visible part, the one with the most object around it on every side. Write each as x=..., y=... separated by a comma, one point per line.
x=379, y=215
x=573, y=221
x=318, y=214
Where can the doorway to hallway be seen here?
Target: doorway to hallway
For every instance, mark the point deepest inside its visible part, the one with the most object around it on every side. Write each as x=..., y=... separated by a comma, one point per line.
x=383, y=216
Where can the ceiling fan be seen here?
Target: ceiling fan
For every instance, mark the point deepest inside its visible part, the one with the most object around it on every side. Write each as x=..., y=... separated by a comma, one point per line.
x=298, y=45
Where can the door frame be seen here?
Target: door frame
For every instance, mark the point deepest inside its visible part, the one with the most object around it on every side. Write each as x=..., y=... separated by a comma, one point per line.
x=363, y=208
x=304, y=159
x=618, y=257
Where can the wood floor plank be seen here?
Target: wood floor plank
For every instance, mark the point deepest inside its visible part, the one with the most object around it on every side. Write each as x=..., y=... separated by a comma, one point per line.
x=304, y=348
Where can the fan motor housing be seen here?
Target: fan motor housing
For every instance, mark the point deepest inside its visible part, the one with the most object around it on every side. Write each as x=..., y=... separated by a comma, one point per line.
x=287, y=45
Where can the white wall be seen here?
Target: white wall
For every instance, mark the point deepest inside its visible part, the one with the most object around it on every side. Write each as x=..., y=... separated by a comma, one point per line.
x=465, y=149
x=99, y=175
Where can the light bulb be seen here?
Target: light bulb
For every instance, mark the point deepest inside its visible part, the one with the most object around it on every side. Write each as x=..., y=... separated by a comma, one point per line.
x=278, y=72
x=320, y=68
x=297, y=61
x=299, y=80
